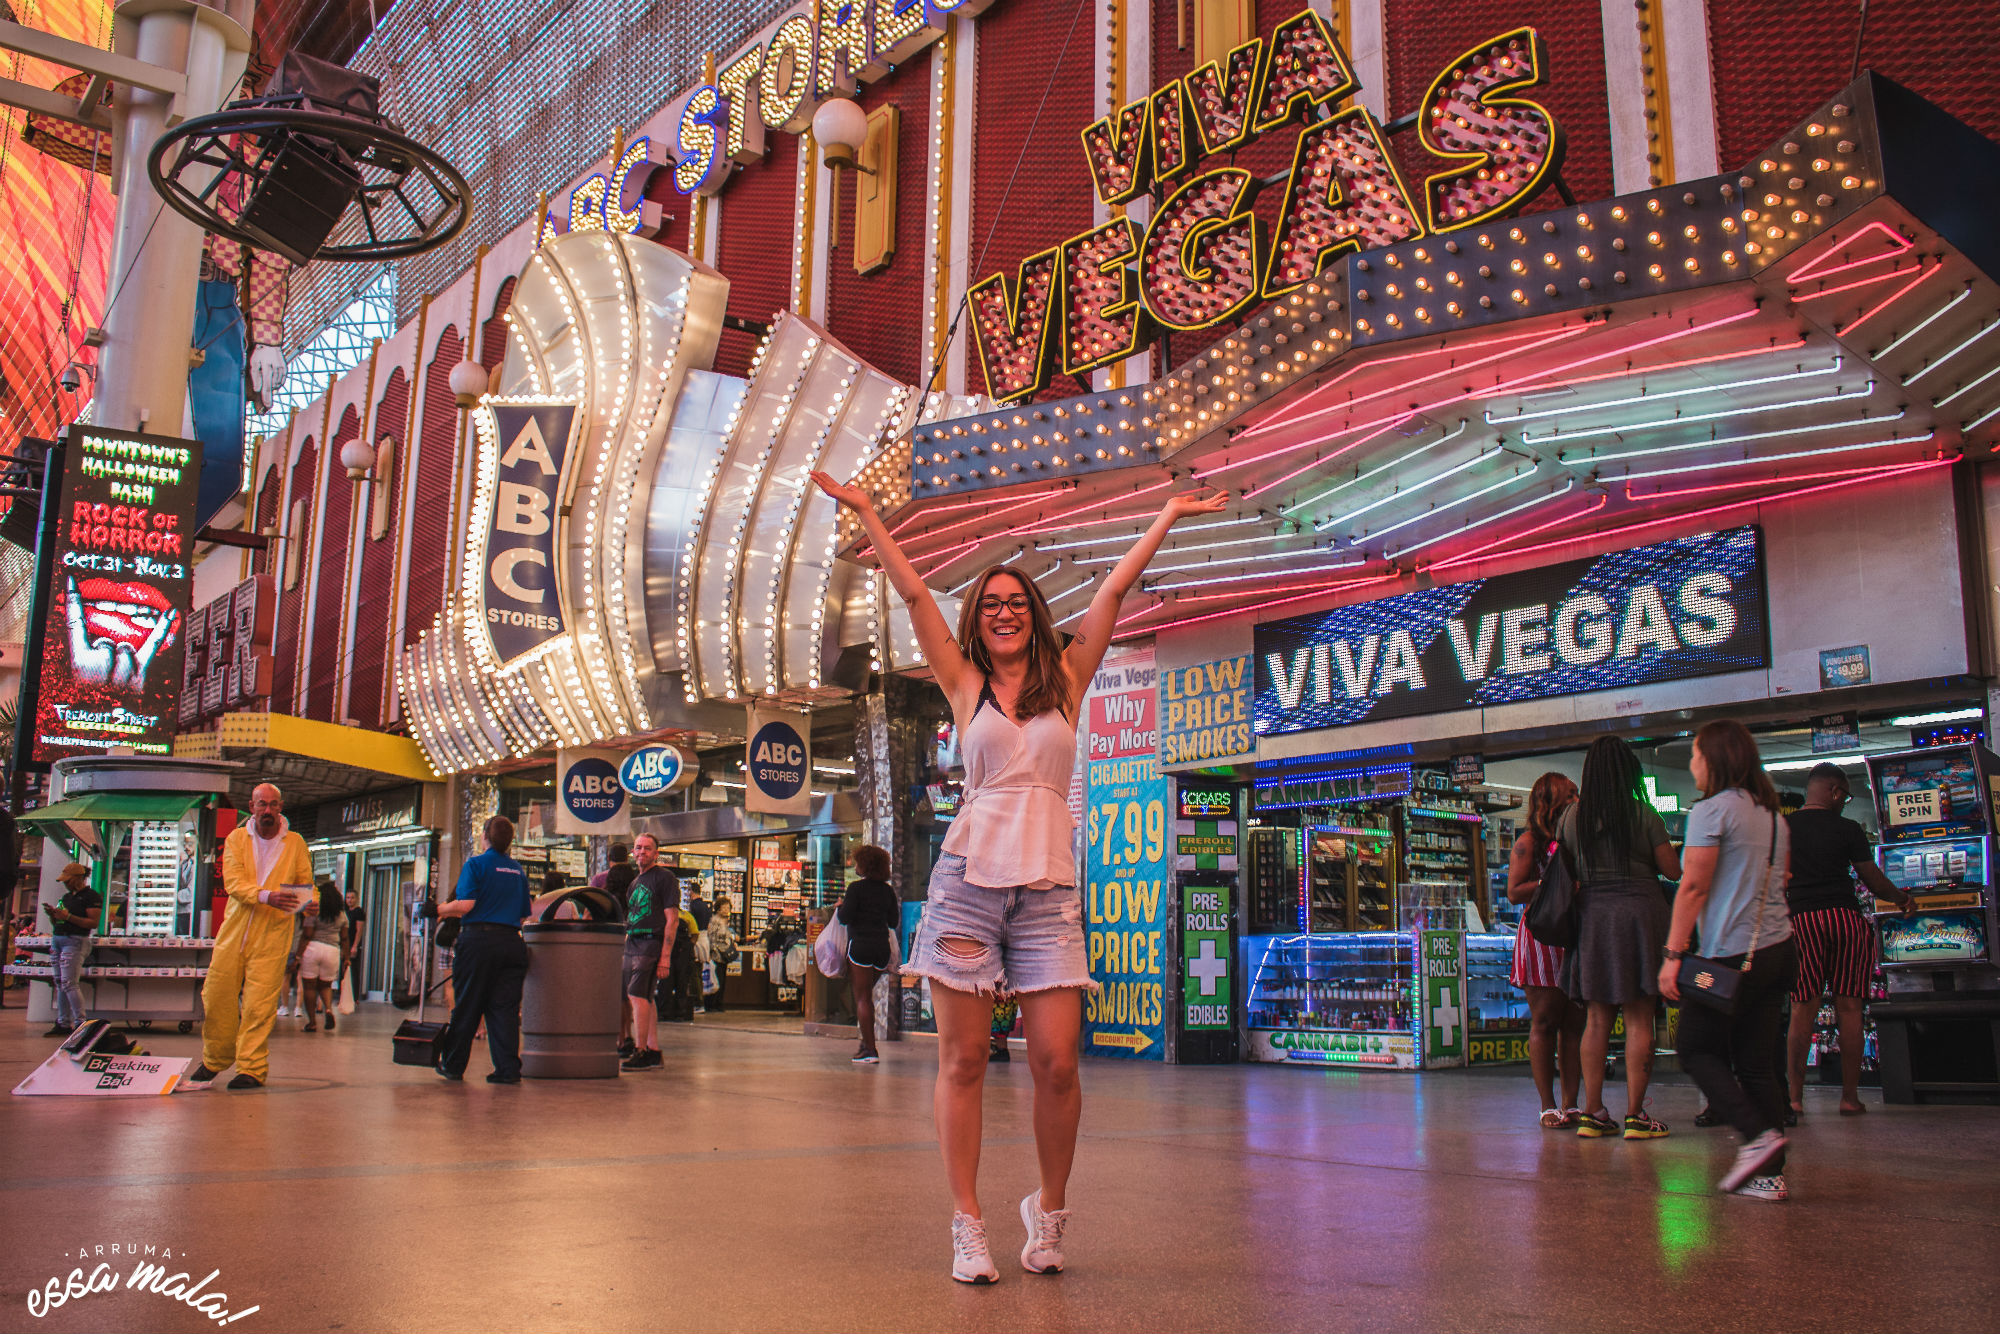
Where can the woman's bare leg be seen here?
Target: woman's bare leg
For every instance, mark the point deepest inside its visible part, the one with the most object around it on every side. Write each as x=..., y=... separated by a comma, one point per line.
x=963, y=1018
x=1053, y=1020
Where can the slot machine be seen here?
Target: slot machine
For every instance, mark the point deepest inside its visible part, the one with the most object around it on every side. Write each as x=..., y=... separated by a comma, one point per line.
x=1940, y=1025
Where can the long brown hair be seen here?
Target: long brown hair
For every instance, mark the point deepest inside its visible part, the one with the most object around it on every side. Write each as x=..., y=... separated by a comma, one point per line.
x=1047, y=686
x=1730, y=753
x=1547, y=800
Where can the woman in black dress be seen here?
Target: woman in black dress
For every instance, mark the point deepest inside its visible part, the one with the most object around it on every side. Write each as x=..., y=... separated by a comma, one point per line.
x=870, y=911
x=1617, y=846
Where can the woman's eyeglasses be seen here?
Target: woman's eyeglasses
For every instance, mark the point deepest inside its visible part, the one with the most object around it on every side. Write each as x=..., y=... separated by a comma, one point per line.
x=991, y=606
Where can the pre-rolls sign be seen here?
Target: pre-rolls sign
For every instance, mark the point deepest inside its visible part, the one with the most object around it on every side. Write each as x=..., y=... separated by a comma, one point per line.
x=1691, y=607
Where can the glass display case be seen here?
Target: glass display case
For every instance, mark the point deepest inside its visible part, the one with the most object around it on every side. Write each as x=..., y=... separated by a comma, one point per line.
x=1274, y=880
x=1331, y=999
x=1496, y=1011
x=1352, y=871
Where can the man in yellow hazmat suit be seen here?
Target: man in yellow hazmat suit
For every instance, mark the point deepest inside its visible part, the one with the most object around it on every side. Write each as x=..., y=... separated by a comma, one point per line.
x=259, y=861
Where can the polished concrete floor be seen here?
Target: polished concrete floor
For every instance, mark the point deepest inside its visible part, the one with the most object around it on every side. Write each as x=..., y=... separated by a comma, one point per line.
x=761, y=1182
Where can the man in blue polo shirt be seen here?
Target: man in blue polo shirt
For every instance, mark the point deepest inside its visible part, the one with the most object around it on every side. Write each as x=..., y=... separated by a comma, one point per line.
x=491, y=961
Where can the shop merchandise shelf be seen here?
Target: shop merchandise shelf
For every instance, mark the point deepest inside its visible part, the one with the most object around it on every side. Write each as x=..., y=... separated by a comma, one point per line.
x=129, y=979
x=1493, y=1004
x=1350, y=982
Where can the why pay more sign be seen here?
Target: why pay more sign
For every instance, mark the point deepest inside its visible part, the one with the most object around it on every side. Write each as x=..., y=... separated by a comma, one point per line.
x=1126, y=862
x=1676, y=610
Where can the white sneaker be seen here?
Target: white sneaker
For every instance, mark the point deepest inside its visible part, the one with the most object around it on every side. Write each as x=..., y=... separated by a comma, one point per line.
x=284, y=1011
x=1043, y=1253
x=971, y=1262
x=1766, y=1188
x=1750, y=1157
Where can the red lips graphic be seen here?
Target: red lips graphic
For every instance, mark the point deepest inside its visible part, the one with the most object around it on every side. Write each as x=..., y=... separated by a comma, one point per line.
x=122, y=613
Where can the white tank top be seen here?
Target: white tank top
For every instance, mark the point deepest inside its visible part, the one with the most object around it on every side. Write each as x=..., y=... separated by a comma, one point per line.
x=1014, y=826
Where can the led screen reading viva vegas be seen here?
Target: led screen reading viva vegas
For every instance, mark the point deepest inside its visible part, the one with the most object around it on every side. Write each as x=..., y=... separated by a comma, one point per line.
x=1691, y=607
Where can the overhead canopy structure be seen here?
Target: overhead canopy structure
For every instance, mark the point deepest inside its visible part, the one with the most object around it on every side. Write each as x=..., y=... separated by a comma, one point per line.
x=1816, y=320
x=148, y=806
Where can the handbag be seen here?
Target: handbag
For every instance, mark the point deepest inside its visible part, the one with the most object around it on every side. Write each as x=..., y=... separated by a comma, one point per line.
x=830, y=950
x=1552, y=914
x=1718, y=985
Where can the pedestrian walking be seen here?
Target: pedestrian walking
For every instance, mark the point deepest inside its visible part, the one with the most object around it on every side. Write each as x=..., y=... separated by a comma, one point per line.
x=319, y=947
x=723, y=950
x=680, y=996
x=1617, y=845
x=652, y=920
x=1732, y=897
x=1006, y=1012
x=1835, y=945
x=1003, y=909
x=869, y=910
x=350, y=963
x=1555, y=1022
x=620, y=855
x=267, y=874
x=490, y=962
x=73, y=917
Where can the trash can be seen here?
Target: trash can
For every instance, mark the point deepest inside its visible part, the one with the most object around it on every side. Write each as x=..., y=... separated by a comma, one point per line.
x=571, y=1007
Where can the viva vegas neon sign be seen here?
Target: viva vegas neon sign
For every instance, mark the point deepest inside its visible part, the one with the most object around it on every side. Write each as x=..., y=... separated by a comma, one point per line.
x=1204, y=258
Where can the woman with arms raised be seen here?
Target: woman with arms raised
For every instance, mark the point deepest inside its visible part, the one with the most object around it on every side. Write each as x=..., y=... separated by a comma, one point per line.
x=1004, y=915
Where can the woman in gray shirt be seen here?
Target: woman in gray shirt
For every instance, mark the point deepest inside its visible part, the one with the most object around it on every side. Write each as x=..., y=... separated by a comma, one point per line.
x=1733, y=895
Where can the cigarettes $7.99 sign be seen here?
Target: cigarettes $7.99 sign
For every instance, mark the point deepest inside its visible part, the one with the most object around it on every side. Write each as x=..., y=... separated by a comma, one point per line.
x=1126, y=859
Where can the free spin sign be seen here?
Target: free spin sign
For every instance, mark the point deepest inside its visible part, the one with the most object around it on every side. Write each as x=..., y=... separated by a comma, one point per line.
x=522, y=449
x=1204, y=257
x=120, y=584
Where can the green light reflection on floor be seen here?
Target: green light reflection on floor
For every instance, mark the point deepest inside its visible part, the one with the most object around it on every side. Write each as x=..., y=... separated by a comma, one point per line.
x=1683, y=1213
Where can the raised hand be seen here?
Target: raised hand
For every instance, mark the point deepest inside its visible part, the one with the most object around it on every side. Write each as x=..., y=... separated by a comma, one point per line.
x=129, y=672
x=91, y=660
x=1194, y=502
x=853, y=497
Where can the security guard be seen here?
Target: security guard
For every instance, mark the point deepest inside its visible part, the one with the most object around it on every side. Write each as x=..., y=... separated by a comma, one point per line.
x=490, y=965
x=258, y=860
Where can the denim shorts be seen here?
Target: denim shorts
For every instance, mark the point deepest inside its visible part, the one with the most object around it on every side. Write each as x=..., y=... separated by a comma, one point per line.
x=1026, y=939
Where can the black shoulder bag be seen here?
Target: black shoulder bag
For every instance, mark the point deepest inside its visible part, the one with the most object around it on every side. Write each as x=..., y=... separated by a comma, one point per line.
x=1717, y=985
x=1552, y=914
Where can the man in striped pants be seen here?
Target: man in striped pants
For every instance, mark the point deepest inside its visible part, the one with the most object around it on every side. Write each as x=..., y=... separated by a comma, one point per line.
x=1836, y=947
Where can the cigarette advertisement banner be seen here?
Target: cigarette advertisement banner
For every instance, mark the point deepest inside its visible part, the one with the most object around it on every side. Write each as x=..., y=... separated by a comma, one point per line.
x=1668, y=612
x=1126, y=859
x=520, y=597
x=121, y=580
x=1205, y=713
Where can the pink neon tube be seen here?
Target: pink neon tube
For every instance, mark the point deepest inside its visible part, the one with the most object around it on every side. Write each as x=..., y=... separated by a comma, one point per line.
x=1530, y=382
x=1923, y=276
x=1806, y=270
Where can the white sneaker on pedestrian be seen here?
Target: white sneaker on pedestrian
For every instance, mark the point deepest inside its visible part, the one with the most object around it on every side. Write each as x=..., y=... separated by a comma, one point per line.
x=1751, y=1157
x=971, y=1262
x=284, y=1011
x=1766, y=1188
x=1043, y=1253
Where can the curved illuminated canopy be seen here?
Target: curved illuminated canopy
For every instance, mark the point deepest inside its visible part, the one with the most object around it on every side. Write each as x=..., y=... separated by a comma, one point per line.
x=643, y=535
